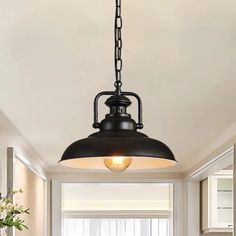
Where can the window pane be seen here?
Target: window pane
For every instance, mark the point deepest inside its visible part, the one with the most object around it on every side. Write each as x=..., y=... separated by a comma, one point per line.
x=116, y=227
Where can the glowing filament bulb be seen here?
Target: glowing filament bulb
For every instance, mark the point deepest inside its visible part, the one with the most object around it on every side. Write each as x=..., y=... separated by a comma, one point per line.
x=117, y=163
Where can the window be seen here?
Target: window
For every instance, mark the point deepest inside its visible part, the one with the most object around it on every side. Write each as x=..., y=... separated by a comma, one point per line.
x=116, y=227
x=119, y=209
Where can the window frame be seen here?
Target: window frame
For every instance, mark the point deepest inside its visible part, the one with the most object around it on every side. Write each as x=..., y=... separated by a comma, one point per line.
x=176, y=228
x=118, y=214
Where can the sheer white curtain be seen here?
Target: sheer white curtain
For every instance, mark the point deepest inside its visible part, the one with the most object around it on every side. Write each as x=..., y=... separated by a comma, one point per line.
x=116, y=227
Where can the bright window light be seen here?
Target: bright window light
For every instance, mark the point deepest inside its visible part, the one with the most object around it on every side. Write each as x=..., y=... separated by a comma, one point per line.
x=117, y=209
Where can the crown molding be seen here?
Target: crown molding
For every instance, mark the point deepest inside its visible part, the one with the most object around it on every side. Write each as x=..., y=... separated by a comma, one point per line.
x=221, y=144
x=28, y=151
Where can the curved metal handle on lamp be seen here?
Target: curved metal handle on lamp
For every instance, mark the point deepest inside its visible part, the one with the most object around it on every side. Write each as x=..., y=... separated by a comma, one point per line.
x=139, y=125
x=96, y=123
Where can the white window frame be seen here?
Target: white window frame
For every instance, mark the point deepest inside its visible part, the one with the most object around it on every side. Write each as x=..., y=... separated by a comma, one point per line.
x=177, y=201
x=118, y=214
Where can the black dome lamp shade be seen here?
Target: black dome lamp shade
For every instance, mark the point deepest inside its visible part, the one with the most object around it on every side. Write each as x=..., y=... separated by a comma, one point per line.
x=118, y=145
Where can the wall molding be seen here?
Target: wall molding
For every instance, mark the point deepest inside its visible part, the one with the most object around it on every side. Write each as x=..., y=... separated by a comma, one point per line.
x=113, y=177
x=222, y=142
x=30, y=152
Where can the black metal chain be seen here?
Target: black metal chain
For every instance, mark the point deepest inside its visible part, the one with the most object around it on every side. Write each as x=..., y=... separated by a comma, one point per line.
x=118, y=46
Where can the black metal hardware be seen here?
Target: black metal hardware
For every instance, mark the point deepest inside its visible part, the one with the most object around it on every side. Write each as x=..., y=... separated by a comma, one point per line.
x=118, y=102
x=118, y=69
x=139, y=125
x=95, y=107
x=118, y=47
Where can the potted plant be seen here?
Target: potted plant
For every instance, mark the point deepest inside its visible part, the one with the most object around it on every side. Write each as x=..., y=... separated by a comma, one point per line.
x=10, y=213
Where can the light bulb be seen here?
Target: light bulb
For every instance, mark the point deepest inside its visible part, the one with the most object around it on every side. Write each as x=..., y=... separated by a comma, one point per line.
x=117, y=163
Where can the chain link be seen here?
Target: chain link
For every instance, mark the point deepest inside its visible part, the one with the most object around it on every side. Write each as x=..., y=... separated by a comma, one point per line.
x=118, y=46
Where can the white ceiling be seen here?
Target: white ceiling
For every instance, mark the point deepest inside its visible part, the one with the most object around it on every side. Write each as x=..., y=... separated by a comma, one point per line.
x=55, y=55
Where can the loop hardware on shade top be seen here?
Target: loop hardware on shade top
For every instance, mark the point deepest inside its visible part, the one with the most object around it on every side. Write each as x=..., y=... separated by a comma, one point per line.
x=139, y=124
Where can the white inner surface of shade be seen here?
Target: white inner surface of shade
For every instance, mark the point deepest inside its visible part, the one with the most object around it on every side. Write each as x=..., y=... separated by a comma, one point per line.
x=138, y=163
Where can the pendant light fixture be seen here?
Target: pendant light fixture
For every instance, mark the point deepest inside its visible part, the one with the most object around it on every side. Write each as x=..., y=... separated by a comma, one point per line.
x=118, y=145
